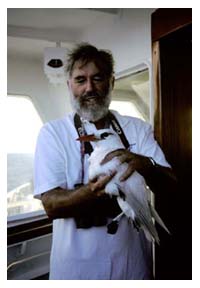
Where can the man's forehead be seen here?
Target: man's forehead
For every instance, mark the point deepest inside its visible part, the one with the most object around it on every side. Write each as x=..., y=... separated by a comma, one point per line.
x=81, y=67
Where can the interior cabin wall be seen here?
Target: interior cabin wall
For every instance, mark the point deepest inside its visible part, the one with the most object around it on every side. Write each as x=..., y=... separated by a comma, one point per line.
x=129, y=38
x=26, y=77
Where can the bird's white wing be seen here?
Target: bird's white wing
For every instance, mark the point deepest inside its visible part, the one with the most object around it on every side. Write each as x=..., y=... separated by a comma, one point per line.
x=136, y=204
x=143, y=217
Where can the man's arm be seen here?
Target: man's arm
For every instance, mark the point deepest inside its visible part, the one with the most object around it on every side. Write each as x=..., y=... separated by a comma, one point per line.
x=62, y=203
x=153, y=173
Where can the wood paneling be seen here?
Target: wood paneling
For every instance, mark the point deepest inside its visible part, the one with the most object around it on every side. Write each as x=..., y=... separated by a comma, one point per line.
x=172, y=66
x=157, y=90
x=168, y=20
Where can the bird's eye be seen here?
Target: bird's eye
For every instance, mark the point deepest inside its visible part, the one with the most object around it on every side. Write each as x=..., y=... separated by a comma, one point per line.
x=105, y=135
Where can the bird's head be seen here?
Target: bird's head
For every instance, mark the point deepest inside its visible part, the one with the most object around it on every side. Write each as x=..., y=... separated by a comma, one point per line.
x=101, y=134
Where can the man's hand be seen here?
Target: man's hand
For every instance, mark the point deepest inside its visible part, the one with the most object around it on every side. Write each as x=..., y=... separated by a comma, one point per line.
x=135, y=162
x=97, y=185
x=61, y=203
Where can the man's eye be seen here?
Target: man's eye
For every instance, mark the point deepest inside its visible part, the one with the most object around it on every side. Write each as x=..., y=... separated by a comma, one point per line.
x=80, y=80
x=98, y=78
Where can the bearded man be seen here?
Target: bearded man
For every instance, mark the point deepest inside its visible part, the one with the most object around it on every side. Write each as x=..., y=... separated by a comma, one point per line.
x=82, y=248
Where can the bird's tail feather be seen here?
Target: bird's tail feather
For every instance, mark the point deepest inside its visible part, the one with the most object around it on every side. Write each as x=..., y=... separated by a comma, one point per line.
x=157, y=218
x=150, y=237
x=149, y=229
x=143, y=217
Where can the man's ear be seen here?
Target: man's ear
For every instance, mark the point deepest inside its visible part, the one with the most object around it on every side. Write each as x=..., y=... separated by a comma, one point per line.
x=113, y=82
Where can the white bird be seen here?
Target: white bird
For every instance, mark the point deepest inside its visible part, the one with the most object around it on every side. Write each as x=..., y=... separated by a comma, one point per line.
x=135, y=201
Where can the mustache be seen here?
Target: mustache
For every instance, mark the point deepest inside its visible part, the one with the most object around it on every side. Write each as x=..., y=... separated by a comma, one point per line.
x=89, y=95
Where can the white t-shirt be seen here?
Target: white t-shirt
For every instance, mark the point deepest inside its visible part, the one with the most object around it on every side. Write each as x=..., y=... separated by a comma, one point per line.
x=91, y=253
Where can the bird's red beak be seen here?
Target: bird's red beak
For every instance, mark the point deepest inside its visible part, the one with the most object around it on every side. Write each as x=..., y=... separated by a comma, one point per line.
x=87, y=138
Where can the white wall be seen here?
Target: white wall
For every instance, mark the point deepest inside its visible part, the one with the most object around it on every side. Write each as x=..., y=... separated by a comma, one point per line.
x=26, y=77
x=128, y=36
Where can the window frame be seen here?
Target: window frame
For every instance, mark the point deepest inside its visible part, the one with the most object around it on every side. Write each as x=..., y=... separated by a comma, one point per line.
x=29, y=229
x=145, y=65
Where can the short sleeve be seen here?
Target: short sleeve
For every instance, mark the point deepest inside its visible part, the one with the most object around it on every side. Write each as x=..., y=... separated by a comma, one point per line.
x=49, y=162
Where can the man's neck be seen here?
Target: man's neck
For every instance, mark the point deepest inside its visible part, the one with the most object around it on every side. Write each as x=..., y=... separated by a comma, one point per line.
x=102, y=123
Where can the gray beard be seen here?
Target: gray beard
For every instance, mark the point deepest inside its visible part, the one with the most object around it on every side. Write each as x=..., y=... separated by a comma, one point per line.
x=93, y=112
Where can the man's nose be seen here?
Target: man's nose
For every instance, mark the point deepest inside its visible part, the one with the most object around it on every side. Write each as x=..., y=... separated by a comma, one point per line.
x=89, y=85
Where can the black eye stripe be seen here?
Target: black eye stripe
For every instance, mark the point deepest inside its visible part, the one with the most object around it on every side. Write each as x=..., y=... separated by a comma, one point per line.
x=105, y=135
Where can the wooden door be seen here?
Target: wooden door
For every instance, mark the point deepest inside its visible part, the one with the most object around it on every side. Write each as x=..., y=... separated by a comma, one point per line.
x=172, y=61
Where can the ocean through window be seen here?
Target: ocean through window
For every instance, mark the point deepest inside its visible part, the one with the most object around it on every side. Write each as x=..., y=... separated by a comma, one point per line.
x=23, y=125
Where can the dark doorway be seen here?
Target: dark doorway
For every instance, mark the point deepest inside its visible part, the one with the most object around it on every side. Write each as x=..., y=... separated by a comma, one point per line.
x=174, y=256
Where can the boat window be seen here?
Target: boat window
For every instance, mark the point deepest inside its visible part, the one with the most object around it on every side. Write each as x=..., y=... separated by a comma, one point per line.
x=131, y=95
x=125, y=107
x=23, y=125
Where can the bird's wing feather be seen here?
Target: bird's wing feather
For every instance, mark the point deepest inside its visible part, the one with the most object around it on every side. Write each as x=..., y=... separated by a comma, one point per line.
x=143, y=216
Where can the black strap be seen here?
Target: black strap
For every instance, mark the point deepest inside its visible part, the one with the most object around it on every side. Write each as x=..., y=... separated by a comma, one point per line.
x=115, y=125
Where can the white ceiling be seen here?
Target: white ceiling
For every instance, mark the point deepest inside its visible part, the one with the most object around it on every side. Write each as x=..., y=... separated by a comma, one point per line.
x=68, y=18
x=32, y=29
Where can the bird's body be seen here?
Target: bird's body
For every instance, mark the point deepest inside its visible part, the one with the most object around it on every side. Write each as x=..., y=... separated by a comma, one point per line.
x=136, y=203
